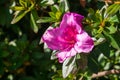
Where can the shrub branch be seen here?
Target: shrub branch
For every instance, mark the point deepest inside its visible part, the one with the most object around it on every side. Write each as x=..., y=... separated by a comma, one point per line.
x=104, y=73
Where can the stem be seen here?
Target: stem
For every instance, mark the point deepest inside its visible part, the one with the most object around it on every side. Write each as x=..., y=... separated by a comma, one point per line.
x=104, y=73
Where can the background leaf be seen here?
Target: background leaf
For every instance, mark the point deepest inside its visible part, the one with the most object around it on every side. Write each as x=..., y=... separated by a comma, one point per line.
x=18, y=16
x=45, y=20
x=34, y=17
x=112, y=9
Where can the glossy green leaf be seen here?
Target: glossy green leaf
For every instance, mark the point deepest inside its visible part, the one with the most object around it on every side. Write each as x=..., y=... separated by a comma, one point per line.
x=104, y=48
x=17, y=8
x=64, y=6
x=100, y=30
x=43, y=3
x=18, y=16
x=93, y=63
x=53, y=55
x=58, y=15
x=67, y=66
x=34, y=17
x=101, y=57
x=99, y=41
x=112, y=29
x=47, y=2
x=78, y=56
x=45, y=20
x=113, y=19
x=116, y=37
x=98, y=16
x=107, y=66
x=23, y=3
x=52, y=15
x=117, y=53
x=112, y=40
x=112, y=53
x=54, y=9
x=117, y=67
x=112, y=9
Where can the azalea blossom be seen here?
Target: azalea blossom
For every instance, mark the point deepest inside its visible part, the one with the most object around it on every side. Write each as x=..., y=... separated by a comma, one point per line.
x=69, y=38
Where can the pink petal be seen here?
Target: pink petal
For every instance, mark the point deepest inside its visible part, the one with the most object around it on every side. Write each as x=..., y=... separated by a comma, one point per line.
x=49, y=37
x=84, y=43
x=65, y=54
x=72, y=20
x=52, y=37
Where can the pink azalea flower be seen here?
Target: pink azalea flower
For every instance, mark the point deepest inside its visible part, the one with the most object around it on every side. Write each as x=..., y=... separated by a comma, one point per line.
x=69, y=39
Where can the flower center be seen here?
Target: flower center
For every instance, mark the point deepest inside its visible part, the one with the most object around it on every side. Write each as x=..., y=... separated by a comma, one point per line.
x=72, y=41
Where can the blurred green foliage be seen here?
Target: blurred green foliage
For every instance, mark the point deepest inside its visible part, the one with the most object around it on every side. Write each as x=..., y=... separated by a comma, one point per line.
x=23, y=22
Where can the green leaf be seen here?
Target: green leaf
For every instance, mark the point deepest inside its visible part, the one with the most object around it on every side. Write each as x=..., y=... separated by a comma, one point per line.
x=54, y=9
x=58, y=15
x=112, y=29
x=43, y=3
x=112, y=9
x=91, y=11
x=46, y=2
x=113, y=19
x=99, y=41
x=78, y=56
x=107, y=66
x=117, y=53
x=53, y=55
x=45, y=20
x=100, y=30
x=34, y=17
x=98, y=16
x=68, y=66
x=18, y=16
x=17, y=8
x=23, y=3
x=93, y=64
x=52, y=15
x=64, y=7
x=116, y=66
x=116, y=36
x=112, y=40
x=104, y=48
x=101, y=59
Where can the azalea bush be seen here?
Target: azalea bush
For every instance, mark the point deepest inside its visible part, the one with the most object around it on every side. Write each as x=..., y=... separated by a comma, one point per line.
x=59, y=39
